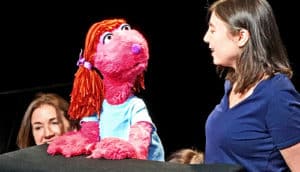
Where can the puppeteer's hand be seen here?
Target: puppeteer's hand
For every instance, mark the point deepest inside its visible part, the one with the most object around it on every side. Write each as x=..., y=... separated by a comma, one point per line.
x=113, y=148
x=76, y=142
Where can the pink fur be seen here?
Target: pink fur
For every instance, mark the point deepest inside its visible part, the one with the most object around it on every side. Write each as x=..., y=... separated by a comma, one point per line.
x=140, y=136
x=119, y=66
x=76, y=142
x=113, y=148
x=136, y=147
x=121, y=60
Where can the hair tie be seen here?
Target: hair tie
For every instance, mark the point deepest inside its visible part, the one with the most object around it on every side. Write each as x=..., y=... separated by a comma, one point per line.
x=81, y=61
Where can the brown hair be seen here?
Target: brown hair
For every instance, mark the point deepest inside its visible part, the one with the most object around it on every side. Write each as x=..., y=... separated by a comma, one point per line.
x=186, y=156
x=25, y=137
x=264, y=53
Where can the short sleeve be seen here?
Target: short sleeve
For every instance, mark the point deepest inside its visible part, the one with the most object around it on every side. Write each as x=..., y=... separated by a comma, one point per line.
x=89, y=119
x=140, y=111
x=283, y=117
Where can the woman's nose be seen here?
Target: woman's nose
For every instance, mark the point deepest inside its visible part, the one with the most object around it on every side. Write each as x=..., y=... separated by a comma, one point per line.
x=205, y=38
x=48, y=132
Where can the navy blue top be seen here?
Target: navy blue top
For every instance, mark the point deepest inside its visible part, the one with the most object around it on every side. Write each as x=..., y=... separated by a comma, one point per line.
x=252, y=132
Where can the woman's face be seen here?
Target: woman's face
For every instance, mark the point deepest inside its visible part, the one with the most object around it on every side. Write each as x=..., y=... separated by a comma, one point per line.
x=47, y=124
x=222, y=43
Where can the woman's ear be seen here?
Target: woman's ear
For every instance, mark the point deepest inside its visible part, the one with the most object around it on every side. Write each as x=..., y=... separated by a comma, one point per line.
x=243, y=37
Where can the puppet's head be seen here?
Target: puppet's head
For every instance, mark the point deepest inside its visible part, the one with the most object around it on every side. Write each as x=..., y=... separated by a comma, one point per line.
x=111, y=66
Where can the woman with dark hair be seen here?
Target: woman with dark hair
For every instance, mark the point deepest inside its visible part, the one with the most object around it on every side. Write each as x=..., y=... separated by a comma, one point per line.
x=257, y=123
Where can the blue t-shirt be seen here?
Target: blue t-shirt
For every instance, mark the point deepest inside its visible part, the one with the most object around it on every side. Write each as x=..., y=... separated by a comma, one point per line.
x=116, y=120
x=252, y=132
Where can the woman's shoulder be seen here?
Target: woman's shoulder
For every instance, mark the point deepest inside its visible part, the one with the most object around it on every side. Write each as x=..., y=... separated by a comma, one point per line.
x=281, y=87
x=281, y=81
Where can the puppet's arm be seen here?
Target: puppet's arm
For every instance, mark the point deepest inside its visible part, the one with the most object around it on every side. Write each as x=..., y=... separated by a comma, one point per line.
x=76, y=142
x=136, y=147
x=140, y=138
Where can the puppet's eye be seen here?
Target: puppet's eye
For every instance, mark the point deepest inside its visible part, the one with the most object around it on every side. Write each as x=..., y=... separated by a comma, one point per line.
x=106, y=37
x=125, y=26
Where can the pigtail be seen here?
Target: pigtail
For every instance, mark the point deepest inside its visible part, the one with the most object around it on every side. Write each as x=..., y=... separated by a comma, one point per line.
x=88, y=90
x=87, y=94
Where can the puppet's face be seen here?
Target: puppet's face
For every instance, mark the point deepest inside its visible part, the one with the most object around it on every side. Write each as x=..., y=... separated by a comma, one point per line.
x=122, y=54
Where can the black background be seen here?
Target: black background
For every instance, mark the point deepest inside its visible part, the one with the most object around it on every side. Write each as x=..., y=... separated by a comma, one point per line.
x=40, y=43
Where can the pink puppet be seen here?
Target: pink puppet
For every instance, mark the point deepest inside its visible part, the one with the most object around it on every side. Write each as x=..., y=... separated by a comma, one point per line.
x=115, y=123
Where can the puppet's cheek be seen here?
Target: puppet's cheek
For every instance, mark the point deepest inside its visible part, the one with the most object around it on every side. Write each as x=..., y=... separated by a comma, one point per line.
x=100, y=49
x=98, y=65
x=99, y=55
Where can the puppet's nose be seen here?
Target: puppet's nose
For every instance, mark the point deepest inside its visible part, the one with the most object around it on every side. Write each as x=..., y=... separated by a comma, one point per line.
x=136, y=48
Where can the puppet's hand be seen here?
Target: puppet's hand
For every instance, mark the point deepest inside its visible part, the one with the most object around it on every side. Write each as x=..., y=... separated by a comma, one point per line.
x=113, y=148
x=76, y=142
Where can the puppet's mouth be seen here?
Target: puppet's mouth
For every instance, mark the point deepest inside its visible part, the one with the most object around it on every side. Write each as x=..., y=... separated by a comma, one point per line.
x=137, y=64
x=141, y=64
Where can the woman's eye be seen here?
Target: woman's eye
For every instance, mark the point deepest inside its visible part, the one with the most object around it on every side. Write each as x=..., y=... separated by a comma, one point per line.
x=55, y=122
x=106, y=37
x=37, y=127
x=125, y=26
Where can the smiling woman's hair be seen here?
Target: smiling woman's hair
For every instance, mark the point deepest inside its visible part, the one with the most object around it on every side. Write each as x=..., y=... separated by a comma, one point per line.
x=25, y=137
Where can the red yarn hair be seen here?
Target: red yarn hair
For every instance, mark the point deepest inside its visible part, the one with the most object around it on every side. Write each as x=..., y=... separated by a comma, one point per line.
x=88, y=90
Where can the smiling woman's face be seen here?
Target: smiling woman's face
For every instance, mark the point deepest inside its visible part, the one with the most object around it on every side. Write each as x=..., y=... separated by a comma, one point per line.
x=47, y=124
x=224, y=45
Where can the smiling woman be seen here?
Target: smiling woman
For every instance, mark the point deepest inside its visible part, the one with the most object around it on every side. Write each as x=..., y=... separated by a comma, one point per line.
x=47, y=124
x=45, y=118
